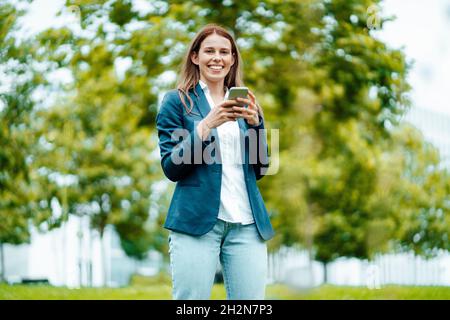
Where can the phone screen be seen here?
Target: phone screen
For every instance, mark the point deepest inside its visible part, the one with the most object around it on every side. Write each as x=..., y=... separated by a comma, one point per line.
x=238, y=92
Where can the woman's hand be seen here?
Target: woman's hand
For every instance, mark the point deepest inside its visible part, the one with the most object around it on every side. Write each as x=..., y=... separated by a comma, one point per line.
x=218, y=115
x=251, y=113
x=221, y=113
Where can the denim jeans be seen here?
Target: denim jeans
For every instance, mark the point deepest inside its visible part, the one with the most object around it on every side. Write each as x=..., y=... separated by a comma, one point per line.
x=242, y=253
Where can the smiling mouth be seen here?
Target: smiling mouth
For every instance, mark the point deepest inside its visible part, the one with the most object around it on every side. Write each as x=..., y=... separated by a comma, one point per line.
x=215, y=68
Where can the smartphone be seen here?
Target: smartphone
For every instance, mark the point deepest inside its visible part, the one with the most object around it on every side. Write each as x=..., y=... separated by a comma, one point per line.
x=238, y=92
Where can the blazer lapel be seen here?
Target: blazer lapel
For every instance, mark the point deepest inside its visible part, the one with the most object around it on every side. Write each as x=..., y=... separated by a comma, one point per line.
x=201, y=101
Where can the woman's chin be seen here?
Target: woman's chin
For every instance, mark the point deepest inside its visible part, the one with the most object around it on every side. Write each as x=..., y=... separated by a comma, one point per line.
x=215, y=77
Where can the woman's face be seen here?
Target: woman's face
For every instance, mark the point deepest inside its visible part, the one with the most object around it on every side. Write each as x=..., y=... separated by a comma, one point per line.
x=214, y=58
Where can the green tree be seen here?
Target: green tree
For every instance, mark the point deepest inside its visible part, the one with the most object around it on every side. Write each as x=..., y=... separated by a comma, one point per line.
x=111, y=164
x=19, y=196
x=97, y=147
x=421, y=187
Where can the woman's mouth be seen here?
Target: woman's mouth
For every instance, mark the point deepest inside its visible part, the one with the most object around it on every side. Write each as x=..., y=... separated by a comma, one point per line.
x=215, y=68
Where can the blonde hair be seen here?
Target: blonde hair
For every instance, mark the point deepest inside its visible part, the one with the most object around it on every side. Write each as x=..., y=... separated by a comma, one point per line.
x=190, y=73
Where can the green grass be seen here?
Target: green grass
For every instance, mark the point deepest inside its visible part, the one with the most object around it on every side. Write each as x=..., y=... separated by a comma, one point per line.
x=160, y=288
x=329, y=292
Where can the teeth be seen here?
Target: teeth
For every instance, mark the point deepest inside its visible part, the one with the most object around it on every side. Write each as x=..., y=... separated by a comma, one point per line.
x=216, y=67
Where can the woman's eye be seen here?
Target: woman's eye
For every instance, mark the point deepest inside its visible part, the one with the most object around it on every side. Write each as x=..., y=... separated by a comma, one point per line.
x=221, y=52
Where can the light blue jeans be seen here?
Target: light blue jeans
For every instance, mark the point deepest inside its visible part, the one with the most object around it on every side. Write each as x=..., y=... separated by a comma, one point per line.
x=242, y=253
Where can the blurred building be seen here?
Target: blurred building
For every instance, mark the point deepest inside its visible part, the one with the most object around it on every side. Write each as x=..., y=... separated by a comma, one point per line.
x=72, y=256
x=292, y=267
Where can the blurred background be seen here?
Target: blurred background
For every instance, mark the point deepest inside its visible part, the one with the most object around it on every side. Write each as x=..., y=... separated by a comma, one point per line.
x=357, y=89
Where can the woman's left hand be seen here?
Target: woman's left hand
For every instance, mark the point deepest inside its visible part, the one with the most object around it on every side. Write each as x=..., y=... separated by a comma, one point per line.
x=251, y=112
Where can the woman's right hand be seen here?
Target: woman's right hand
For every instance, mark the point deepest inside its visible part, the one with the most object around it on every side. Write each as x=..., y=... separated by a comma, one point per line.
x=218, y=115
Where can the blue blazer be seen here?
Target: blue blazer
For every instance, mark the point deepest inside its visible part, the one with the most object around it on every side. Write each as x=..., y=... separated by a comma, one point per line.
x=196, y=200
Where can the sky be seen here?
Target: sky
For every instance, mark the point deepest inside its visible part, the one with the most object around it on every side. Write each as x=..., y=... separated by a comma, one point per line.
x=422, y=29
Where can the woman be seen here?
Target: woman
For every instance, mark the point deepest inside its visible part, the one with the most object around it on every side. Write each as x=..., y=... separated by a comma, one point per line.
x=216, y=212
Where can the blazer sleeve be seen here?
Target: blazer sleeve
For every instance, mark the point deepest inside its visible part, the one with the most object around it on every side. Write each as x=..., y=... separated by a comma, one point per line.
x=262, y=165
x=169, y=123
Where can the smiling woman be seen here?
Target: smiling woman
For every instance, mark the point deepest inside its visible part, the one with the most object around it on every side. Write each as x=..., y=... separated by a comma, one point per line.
x=214, y=58
x=217, y=212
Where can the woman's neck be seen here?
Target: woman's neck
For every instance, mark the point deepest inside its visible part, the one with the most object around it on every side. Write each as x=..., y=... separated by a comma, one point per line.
x=215, y=88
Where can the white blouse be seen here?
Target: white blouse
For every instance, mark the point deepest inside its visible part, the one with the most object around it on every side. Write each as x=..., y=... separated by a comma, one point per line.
x=234, y=202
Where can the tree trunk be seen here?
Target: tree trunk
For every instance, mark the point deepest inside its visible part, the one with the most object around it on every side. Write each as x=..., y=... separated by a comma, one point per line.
x=2, y=257
x=90, y=259
x=103, y=254
x=65, y=222
x=80, y=252
x=309, y=241
x=64, y=253
x=325, y=273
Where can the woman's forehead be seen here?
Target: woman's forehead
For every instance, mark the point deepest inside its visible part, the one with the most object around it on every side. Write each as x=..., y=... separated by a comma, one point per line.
x=216, y=41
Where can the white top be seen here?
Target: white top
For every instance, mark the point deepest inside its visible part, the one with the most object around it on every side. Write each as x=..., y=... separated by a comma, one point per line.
x=234, y=203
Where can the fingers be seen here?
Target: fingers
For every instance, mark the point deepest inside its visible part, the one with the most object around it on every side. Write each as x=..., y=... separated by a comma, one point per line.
x=252, y=96
x=245, y=112
x=234, y=108
x=229, y=115
x=246, y=101
x=251, y=105
x=228, y=103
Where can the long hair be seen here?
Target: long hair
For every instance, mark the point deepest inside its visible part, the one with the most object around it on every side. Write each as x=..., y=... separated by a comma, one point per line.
x=190, y=72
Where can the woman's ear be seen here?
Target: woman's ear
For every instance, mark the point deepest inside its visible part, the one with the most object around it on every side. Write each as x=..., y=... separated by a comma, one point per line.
x=232, y=59
x=194, y=58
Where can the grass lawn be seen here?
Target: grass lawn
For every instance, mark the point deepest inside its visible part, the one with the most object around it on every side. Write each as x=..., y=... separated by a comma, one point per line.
x=163, y=292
